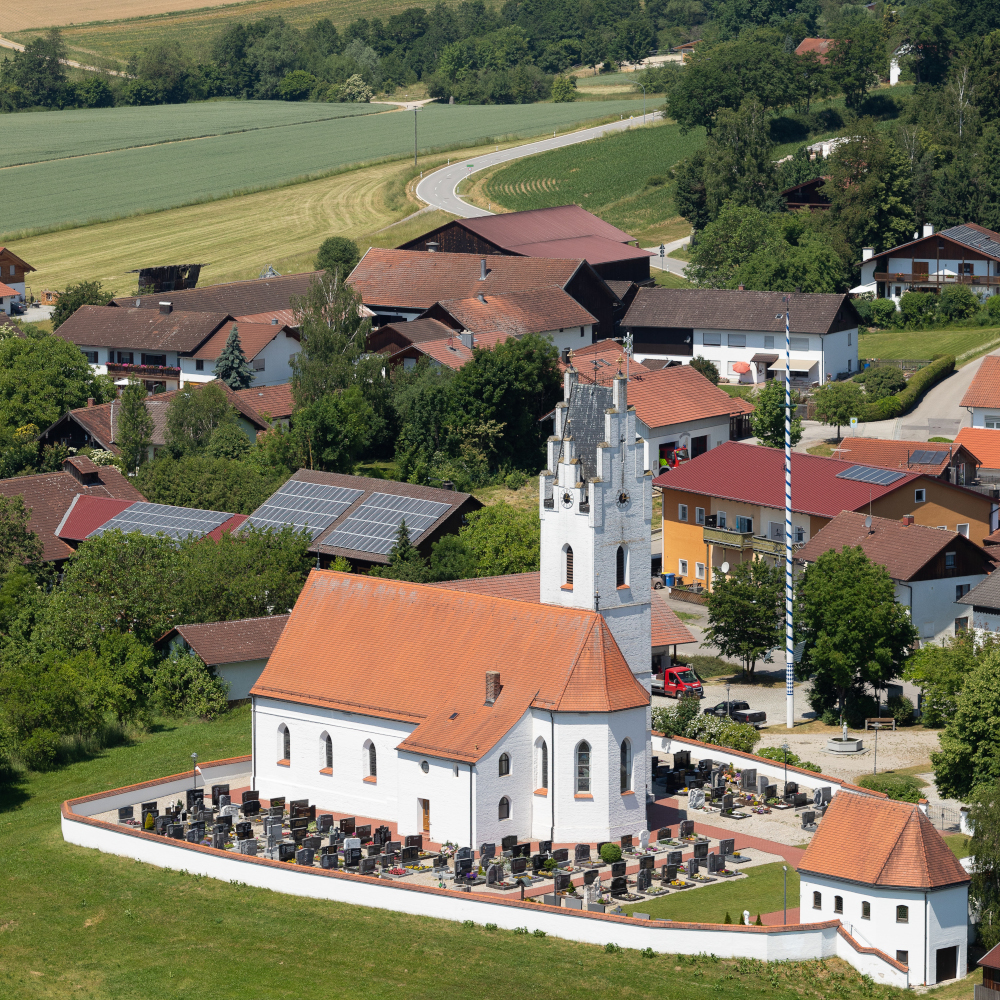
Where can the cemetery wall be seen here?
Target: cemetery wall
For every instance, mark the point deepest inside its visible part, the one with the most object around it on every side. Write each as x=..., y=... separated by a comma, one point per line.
x=800, y=942
x=765, y=767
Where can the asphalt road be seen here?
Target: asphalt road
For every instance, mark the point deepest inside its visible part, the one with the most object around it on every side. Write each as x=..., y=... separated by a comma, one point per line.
x=438, y=189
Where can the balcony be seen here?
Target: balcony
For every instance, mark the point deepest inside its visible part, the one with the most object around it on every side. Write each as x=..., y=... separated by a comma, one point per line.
x=923, y=278
x=728, y=538
x=143, y=371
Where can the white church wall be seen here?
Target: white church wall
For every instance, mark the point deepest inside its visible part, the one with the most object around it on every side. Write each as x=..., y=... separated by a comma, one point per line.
x=445, y=786
x=948, y=926
x=517, y=786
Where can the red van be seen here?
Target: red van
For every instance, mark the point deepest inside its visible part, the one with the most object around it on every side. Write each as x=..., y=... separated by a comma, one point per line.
x=676, y=682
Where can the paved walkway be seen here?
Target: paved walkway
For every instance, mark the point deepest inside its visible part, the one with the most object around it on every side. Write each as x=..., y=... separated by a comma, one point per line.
x=666, y=262
x=438, y=189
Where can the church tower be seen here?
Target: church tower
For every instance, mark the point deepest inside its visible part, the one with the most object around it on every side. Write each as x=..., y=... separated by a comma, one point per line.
x=596, y=502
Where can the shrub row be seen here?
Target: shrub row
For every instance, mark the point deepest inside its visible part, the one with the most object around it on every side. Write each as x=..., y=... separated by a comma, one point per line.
x=895, y=406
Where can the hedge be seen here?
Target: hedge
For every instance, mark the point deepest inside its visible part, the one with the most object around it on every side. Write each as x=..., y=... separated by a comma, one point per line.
x=895, y=406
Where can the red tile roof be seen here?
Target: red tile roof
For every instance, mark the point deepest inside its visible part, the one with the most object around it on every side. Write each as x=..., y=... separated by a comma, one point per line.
x=449, y=351
x=226, y=527
x=536, y=310
x=904, y=549
x=274, y=400
x=991, y=959
x=232, y=642
x=900, y=846
x=254, y=337
x=6, y=290
x=593, y=249
x=985, y=387
x=983, y=442
x=49, y=496
x=444, y=641
x=597, y=374
x=87, y=513
x=678, y=394
x=140, y=329
x=756, y=475
x=897, y=454
x=818, y=45
x=561, y=222
x=285, y=317
x=415, y=279
x=667, y=628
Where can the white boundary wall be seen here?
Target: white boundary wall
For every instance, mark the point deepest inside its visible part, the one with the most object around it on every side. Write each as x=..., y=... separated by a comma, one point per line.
x=796, y=942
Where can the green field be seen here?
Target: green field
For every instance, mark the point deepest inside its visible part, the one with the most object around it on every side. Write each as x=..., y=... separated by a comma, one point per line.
x=622, y=177
x=52, y=135
x=760, y=892
x=75, y=922
x=920, y=345
x=100, y=186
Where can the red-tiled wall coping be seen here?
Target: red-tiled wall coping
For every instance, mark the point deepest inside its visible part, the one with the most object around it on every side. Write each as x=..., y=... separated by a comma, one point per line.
x=871, y=951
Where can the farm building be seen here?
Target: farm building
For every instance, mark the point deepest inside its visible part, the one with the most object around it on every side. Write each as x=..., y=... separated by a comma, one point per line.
x=13, y=271
x=564, y=232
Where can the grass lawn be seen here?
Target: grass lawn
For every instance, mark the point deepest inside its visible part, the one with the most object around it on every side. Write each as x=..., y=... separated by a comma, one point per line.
x=920, y=345
x=667, y=279
x=759, y=892
x=710, y=666
x=75, y=922
x=958, y=844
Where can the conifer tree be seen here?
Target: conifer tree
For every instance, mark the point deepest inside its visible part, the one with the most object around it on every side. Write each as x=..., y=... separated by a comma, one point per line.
x=232, y=366
x=135, y=426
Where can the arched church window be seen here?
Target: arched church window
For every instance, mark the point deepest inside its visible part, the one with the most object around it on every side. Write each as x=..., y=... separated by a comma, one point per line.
x=544, y=765
x=569, y=566
x=626, y=766
x=583, y=767
x=326, y=751
x=504, y=811
x=504, y=764
x=284, y=742
x=620, y=567
x=372, y=763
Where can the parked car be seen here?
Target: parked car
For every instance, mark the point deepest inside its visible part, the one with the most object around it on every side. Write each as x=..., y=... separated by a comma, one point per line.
x=678, y=682
x=738, y=711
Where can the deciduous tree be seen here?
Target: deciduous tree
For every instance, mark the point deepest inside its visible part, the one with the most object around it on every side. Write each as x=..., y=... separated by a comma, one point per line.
x=837, y=402
x=745, y=612
x=135, y=426
x=768, y=417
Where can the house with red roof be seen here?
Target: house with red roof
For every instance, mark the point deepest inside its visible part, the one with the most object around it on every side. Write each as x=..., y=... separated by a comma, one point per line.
x=727, y=505
x=982, y=398
x=883, y=871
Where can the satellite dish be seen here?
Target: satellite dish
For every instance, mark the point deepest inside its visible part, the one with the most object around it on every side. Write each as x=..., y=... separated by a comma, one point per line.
x=868, y=521
x=724, y=567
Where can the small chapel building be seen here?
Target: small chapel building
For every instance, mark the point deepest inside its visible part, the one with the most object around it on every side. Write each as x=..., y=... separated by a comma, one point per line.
x=468, y=717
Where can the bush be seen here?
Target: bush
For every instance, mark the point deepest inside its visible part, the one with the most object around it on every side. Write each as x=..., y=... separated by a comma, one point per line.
x=610, y=853
x=884, y=313
x=901, y=787
x=337, y=253
x=883, y=381
x=724, y=733
x=40, y=750
x=515, y=480
x=957, y=302
x=563, y=89
x=901, y=709
x=183, y=685
x=895, y=406
x=296, y=85
x=777, y=754
x=706, y=368
x=354, y=91
x=918, y=308
x=993, y=307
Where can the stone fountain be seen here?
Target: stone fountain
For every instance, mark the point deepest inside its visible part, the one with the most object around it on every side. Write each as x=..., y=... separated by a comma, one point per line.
x=844, y=743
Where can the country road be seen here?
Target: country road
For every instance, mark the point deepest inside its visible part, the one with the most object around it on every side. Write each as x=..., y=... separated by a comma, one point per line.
x=438, y=190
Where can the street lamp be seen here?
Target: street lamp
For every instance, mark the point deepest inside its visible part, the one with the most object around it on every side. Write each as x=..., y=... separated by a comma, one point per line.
x=785, y=747
x=194, y=770
x=784, y=879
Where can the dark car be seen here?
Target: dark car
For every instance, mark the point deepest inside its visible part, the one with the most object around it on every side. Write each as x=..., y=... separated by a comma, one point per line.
x=738, y=711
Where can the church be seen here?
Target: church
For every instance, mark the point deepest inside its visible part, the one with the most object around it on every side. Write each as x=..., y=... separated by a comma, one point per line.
x=471, y=711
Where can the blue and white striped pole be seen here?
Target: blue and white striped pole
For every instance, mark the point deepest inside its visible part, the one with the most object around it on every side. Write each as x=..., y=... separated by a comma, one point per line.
x=789, y=638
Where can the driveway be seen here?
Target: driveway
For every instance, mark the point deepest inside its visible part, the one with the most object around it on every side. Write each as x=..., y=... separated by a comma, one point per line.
x=667, y=263
x=438, y=188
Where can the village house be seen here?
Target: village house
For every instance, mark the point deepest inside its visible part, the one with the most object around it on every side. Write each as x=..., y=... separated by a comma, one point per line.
x=986, y=446
x=273, y=403
x=897, y=887
x=728, y=505
x=743, y=332
x=983, y=601
x=563, y=232
x=954, y=463
x=13, y=272
x=982, y=398
x=167, y=349
x=932, y=569
x=967, y=254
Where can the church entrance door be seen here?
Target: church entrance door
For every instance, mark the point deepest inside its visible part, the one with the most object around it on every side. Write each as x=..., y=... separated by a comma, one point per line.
x=426, y=806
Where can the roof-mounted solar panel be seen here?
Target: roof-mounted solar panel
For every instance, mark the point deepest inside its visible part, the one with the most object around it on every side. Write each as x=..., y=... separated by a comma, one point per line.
x=157, y=518
x=373, y=526
x=867, y=474
x=309, y=506
x=928, y=457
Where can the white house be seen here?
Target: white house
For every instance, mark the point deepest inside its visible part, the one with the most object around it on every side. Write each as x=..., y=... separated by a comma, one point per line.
x=484, y=717
x=13, y=271
x=968, y=254
x=984, y=603
x=982, y=398
x=743, y=332
x=883, y=871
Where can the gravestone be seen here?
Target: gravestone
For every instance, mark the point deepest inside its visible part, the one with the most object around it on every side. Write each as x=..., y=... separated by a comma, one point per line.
x=618, y=869
x=364, y=833
x=247, y=847
x=590, y=877
x=243, y=830
x=718, y=792
x=562, y=881
x=695, y=783
x=696, y=798
x=644, y=839
x=643, y=880
x=352, y=843
x=705, y=765
x=618, y=886
x=286, y=852
x=305, y=856
x=278, y=802
x=414, y=840
x=463, y=854
x=218, y=790
x=252, y=796
x=799, y=799
x=817, y=797
x=726, y=847
x=224, y=801
x=808, y=819
x=126, y=812
x=762, y=785
x=561, y=855
x=748, y=779
x=219, y=838
x=147, y=807
x=827, y=794
x=324, y=823
x=410, y=854
x=194, y=795
x=518, y=866
x=347, y=825
x=395, y=846
x=175, y=831
x=674, y=857
x=313, y=843
x=486, y=852
x=509, y=842
x=716, y=862
x=352, y=857
x=600, y=844
x=663, y=834
x=771, y=792
x=537, y=860
x=626, y=842
x=687, y=828
x=521, y=850
x=791, y=787
x=494, y=874
x=581, y=853
x=647, y=863
x=329, y=861
x=701, y=850
x=160, y=823
x=381, y=835
x=669, y=873
x=440, y=861
x=682, y=760
x=368, y=866
x=727, y=803
x=544, y=846
x=296, y=805
x=462, y=867
x=692, y=867
x=276, y=811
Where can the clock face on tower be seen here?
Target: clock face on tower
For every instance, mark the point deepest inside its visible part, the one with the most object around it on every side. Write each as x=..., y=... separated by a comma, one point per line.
x=567, y=499
x=623, y=499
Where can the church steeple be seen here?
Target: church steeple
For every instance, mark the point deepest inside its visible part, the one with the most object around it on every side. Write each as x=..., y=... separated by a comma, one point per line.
x=596, y=505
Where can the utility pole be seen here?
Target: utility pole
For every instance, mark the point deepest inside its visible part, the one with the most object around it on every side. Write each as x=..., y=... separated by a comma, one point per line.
x=414, y=136
x=643, y=104
x=789, y=636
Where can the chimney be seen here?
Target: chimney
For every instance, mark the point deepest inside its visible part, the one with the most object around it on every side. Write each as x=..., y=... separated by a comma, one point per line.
x=928, y=229
x=482, y=298
x=90, y=401
x=739, y=288
x=492, y=686
x=907, y=519
x=431, y=246
x=467, y=338
x=482, y=269
x=166, y=307
x=867, y=253
x=447, y=484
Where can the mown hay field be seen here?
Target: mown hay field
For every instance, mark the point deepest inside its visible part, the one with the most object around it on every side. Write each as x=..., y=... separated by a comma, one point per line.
x=101, y=186
x=623, y=178
x=52, y=135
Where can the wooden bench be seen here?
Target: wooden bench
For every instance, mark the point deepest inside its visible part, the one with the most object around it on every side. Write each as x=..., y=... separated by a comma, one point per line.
x=879, y=724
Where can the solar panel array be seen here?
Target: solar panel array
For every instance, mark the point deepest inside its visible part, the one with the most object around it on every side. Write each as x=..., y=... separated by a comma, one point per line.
x=156, y=518
x=928, y=457
x=312, y=506
x=973, y=238
x=866, y=474
x=373, y=526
